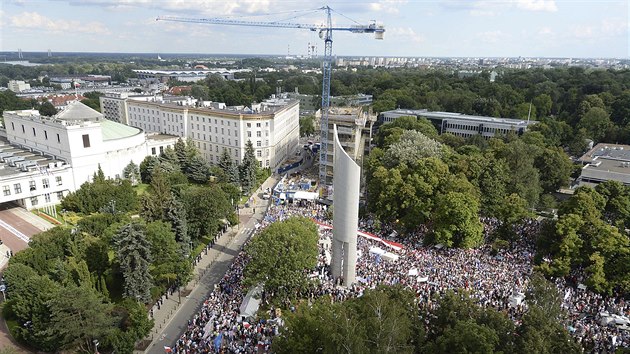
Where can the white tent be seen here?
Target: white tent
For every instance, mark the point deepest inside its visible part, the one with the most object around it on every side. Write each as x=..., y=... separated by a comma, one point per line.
x=305, y=195
x=423, y=279
x=251, y=303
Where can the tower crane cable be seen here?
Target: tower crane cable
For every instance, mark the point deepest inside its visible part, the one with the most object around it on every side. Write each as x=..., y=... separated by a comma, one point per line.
x=325, y=33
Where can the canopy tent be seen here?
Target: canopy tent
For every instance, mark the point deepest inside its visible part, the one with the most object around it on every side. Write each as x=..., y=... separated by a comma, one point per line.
x=251, y=303
x=305, y=195
x=423, y=279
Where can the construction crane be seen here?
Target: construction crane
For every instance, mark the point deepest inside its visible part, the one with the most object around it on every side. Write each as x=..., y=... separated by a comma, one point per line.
x=325, y=33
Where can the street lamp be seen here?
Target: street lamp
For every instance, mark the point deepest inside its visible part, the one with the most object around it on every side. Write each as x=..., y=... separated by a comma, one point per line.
x=96, y=343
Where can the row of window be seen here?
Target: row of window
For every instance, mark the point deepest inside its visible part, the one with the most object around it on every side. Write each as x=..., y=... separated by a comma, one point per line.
x=35, y=201
x=35, y=132
x=32, y=186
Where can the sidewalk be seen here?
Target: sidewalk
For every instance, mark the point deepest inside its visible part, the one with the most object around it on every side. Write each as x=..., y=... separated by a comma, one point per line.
x=211, y=268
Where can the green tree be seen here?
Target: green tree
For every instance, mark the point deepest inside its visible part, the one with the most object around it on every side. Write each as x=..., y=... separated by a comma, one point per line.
x=280, y=255
x=197, y=170
x=146, y=168
x=206, y=208
x=411, y=147
x=555, y=169
x=596, y=121
x=78, y=316
x=132, y=173
x=228, y=166
x=307, y=126
x=248, y=170
x=47, y=109
x=456, y=220
x=133, y=253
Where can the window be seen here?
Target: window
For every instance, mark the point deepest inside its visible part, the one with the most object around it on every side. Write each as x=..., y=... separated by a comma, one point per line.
x=59, y=195
x=34, y=201
x=58, y=180
x=258, y=143
x=34, y=133
x=249, y=134
x=12, y=126
x=161, y=150
x=18, y=188
x=45, y=135
x=45, y=183
x=23, y=131
x=58, y=139
x=152, y=151
x=6, y=190
x=257, y=125
x=258, y=134
x=32, y=186
x=249, y=125
x=86, y=140
x=258, y=153
x=47, y=197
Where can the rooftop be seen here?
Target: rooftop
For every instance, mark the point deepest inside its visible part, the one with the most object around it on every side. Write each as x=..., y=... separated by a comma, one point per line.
x=451, y=115
x=77, y=111
x=15, y=160
x=112, y=130
x=606, y=162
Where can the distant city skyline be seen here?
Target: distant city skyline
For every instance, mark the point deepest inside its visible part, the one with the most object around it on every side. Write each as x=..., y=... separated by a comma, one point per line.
x=414, y=28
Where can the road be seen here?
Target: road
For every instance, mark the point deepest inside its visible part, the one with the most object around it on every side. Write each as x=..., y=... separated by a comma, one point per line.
x=175, y=325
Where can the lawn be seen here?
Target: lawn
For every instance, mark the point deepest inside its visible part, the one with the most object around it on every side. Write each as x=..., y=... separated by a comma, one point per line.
x=141, y=188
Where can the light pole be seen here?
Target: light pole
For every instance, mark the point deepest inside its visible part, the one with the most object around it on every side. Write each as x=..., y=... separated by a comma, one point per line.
x=96, y=343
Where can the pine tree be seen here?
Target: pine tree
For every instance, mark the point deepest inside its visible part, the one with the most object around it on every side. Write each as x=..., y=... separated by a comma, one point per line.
x=181, y=153
x=249, y=168
x=229, y=167
x=176, y=215
x=197, y=170
x=134, y=256
x=132, y=173
x=169, y=155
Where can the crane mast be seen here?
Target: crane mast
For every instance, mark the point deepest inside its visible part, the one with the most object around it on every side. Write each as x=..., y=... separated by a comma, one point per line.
x=325, y=33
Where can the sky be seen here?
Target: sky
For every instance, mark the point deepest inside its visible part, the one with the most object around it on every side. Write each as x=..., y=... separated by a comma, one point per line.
x=414, y=28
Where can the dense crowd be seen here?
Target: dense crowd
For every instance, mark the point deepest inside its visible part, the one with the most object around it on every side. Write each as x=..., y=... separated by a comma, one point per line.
x=494, y=279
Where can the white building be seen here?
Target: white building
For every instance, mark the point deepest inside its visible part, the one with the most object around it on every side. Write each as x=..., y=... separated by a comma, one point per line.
x=463, y=125
x=272, y=126
x=18, y=86
x=82, y=138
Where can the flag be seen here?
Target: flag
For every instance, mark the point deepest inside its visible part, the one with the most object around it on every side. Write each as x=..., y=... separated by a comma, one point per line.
x=168, y=349
x=217, y=341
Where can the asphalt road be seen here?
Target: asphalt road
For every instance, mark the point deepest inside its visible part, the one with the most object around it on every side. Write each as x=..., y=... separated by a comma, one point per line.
x=179, y=322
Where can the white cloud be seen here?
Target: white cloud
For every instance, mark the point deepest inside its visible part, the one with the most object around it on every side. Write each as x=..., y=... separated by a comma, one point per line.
x=33, y=20
x=405, y=34
x=490, y=7
x=537, y=5
x=388, y=6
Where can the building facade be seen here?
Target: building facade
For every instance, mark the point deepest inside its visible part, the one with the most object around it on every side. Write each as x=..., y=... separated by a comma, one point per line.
x=82, y=138
x=18, y=86
x=272, y=127
x=350, y=123
x=463, y=125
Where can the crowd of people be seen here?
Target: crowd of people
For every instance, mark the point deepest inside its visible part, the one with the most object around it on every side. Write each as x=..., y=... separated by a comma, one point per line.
x=497, y=279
